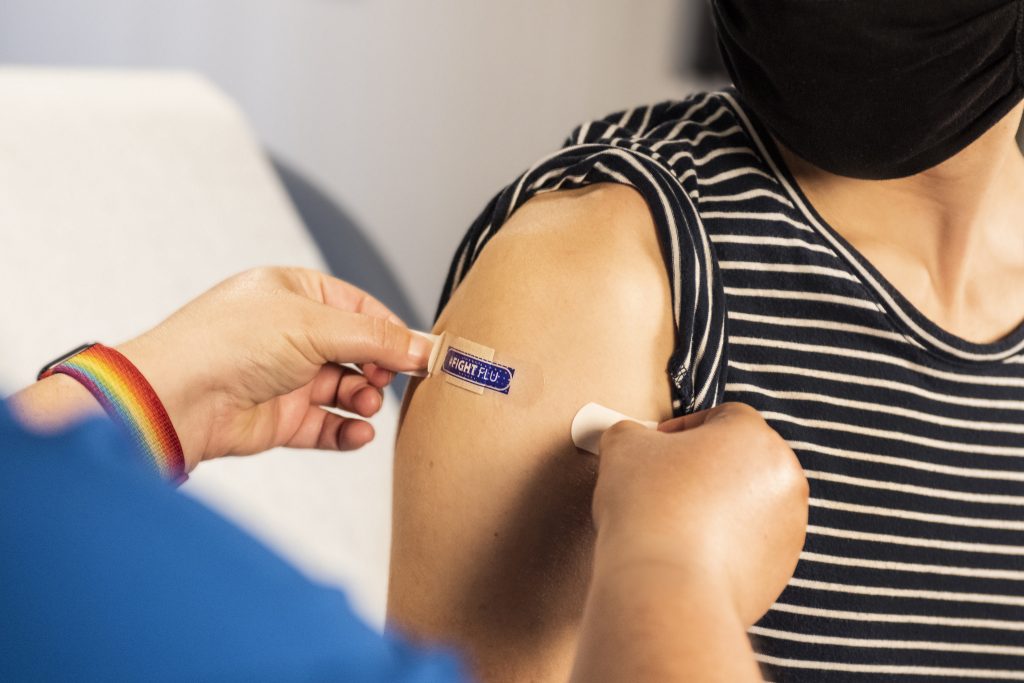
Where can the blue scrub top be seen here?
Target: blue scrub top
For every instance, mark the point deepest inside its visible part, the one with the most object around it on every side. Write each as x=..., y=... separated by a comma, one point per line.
x=108, y=574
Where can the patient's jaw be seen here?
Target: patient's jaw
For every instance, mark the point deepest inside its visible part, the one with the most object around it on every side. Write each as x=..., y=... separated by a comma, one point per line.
x=492, y=529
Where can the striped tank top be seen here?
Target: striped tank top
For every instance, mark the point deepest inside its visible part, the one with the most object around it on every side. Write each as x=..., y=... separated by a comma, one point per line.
x=912, y=439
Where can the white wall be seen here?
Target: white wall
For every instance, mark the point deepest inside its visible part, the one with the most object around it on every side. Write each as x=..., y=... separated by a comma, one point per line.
x=410, y=113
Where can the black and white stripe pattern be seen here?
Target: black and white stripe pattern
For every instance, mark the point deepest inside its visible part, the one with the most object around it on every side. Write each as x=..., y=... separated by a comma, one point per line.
x=912, y=439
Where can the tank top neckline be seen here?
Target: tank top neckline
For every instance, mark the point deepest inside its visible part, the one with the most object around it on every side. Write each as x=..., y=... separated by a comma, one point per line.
x=904, y=315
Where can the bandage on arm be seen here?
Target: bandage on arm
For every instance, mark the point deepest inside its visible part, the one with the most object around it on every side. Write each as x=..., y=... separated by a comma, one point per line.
x=492, y=528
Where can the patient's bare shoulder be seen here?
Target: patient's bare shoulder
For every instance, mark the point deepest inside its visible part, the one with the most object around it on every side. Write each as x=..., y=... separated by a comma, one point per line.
x=492, y=530
x=594, y=249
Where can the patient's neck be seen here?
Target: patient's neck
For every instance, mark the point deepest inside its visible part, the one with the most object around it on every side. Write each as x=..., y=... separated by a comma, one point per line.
x=948, y=238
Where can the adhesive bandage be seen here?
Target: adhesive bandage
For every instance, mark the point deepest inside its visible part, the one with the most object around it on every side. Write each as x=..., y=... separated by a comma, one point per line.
x=471, y=366
x=466, y=364
x=478, y=369
x=592, y=420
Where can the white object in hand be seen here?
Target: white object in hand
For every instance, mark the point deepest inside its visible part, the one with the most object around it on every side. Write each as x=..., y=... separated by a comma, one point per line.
x=591, y=422
x=427, y=371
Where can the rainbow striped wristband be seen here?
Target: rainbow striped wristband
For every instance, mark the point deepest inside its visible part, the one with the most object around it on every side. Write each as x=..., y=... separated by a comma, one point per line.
x=129, y=401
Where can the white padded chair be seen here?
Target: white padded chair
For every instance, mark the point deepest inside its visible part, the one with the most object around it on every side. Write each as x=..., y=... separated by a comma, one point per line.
x=124, y=194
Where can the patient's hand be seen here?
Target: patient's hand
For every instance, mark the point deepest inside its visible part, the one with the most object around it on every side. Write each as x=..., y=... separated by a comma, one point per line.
x=492, y=516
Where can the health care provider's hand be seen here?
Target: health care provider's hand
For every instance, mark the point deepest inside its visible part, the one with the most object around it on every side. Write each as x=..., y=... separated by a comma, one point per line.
x=718, y=494
x=245, y=366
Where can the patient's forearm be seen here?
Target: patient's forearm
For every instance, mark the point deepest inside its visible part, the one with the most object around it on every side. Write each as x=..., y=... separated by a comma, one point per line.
x=657, y=621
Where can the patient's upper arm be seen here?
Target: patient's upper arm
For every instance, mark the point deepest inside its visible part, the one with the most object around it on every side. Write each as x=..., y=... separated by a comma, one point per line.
x=492, y=529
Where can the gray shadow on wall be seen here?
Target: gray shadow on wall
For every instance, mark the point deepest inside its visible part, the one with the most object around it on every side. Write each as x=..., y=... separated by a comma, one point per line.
x=349, y=254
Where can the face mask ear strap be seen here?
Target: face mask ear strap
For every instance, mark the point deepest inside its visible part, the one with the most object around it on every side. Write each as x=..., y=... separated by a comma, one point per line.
x=1020, y=41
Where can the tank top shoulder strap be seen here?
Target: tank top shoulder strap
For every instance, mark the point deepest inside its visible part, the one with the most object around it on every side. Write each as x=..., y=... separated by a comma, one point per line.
x=614, y=149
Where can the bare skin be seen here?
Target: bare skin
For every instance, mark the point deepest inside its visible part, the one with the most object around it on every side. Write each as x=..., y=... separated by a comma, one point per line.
x=950, y=239
x=255, y=379
x=493, y=537
x=731, y=495
x=493, y=546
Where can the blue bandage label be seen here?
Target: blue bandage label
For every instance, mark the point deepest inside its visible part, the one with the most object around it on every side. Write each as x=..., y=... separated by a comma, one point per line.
x=478, y=371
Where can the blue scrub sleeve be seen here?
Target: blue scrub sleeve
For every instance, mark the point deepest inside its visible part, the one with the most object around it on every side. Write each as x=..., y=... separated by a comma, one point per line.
x=108, y=574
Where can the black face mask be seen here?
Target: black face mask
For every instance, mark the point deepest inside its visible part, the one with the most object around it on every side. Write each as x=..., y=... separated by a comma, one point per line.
x=875, y=88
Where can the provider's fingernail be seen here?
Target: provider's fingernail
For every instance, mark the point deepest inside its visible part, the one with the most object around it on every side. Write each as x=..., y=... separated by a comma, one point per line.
x=419, y=349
